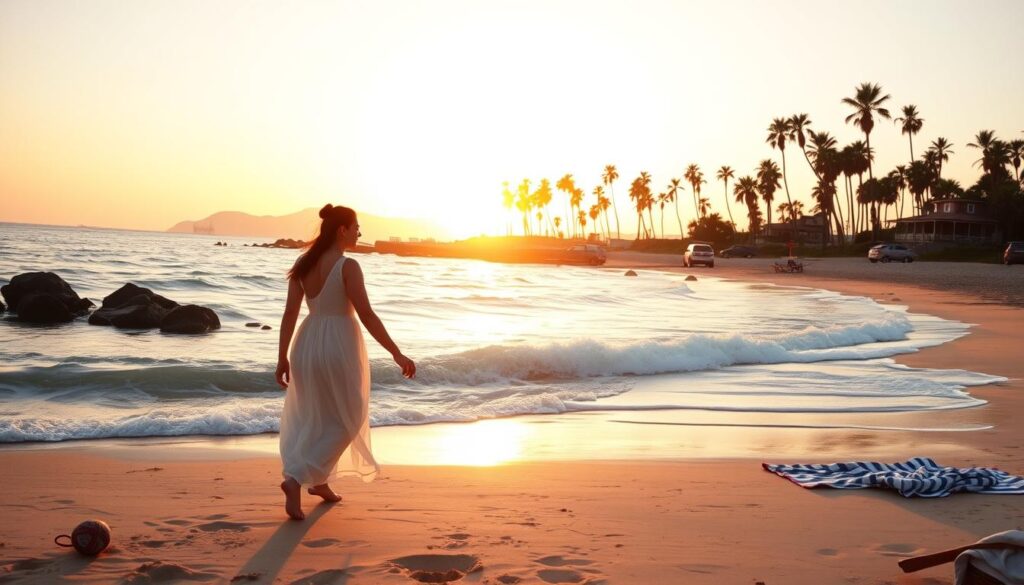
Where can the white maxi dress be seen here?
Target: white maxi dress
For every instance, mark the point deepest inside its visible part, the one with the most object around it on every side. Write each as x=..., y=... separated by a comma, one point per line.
x=325, y=428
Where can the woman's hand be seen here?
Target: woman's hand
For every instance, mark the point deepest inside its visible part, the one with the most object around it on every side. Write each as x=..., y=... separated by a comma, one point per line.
x=407, y=365
x=283, y=375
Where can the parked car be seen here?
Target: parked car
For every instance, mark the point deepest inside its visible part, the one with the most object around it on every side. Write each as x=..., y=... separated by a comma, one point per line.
x=586, y=254
x=1014, y=253
x=890, y=253
x=699, y=254
x=738, y=252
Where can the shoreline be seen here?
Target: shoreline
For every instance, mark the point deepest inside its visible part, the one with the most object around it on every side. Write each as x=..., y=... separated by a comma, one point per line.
x=714, y=519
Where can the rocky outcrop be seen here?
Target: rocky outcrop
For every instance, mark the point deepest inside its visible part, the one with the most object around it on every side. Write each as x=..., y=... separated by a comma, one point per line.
x=133, y=307
x=282, y=243
x=2, y=308
x=43, y=297
x=190, y=319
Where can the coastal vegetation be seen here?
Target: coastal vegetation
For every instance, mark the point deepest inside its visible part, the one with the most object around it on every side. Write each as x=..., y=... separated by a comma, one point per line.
x=854, y=202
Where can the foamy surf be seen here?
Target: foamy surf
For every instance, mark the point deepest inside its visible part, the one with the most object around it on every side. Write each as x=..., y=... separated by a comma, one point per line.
x=490, y=341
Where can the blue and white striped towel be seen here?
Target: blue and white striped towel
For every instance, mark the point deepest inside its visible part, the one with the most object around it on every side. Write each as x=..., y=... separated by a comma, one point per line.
x=919, y=477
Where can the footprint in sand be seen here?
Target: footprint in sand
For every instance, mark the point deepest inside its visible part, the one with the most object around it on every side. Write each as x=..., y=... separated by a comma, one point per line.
x=221, y=525
x=828, y=552
x=320, y=542
x=176, y=522
x=437, y=568
x=560, y=576
x=560, y=561
x=328, y=577
x=158, y=572
x=898, y=549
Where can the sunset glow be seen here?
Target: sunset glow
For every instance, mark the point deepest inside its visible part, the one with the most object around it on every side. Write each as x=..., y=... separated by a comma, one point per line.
x=143, y=115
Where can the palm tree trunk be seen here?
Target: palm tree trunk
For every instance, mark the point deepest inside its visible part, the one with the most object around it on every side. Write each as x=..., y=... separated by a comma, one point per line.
x=727, y=208
x=784, y=181
x=910, y=135
x=867, y=139
x=663, y=223
x=679, y=219
x=618, y=233
x=650, y=215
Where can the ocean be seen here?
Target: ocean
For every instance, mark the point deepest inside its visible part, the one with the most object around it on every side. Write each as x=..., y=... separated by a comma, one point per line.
x=490, y=340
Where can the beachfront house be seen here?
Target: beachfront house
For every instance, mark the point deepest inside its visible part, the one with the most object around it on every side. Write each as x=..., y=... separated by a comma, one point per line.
x=950, y=220
x=809, y=229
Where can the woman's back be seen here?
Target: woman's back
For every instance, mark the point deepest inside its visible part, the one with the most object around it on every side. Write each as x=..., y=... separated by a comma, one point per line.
x=325, y=294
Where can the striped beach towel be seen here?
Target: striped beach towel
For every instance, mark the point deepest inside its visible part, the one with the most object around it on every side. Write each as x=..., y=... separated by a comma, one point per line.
x=918, y=477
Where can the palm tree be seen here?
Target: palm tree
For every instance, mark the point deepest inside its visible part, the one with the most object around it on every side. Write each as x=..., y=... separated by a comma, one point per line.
x=695, y=177
x=767, y=182
x=920, y=176
x=942, y=148
x=645, y=180
x=984, y=141
x=779, y=130
x=1016, y=154
x=800, y=122
x=576, y=201
x=567, y=185
x=603, y=203
x=663, y=198
x=581, y=217
x=724, y=174
x=911, y=123
x=639, y=193
x=542, y=197
x=508, y=200
x=594, y=213
x=674, y=186
x=523, y=204
x=558, y=225
x=609, y=177
x=899, y=177
x=705, y=206
x=745, y=191
x=867, y=102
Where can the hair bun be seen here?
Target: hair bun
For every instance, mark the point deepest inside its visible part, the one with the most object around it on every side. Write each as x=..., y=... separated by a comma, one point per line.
x=325, y=210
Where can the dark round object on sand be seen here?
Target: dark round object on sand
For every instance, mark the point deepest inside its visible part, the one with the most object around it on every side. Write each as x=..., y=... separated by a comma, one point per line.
x=630, y=273
x=89, y=538
x=265, y=328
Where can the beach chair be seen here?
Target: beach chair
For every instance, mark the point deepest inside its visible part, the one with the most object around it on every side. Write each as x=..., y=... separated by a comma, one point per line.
x=791, y=265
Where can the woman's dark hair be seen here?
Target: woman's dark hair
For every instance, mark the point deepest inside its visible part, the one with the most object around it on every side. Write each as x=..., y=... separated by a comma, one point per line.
x=333, y=218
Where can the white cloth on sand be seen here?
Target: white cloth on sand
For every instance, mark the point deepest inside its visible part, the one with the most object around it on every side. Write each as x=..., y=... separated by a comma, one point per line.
x=325, y=428
x=1006, y=565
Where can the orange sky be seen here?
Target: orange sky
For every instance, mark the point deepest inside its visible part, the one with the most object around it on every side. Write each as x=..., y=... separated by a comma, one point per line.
x=141, y=114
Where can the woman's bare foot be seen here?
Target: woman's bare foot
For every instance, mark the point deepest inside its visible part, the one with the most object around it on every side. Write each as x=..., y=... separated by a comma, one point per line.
x=293, y=499
x=324, y=491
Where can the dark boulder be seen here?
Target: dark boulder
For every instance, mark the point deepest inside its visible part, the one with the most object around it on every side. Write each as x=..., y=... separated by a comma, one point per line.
x=44, y=308
x=133, y=307
x=127, y=295
x=46, y=291
x=630, y=273
x=691, y=278
x=252, y=324
x=266, y=328
x=2, y=308
x=190, y=319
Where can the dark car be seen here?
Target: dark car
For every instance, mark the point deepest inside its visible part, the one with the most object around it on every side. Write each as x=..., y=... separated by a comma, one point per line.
x=1014, y=253
x=739, y=252
x=586, y=254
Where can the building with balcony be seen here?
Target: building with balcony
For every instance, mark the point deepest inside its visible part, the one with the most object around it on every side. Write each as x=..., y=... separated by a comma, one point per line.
x=950, y=220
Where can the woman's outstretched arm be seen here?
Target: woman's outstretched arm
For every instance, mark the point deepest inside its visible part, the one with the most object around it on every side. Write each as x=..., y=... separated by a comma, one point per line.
x=291, y=315
x=355, y=288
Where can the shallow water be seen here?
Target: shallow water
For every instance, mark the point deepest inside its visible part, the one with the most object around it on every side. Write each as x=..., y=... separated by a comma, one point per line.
x=489, y=339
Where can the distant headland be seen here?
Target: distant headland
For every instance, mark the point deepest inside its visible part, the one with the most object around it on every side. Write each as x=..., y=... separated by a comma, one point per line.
x=302, y=225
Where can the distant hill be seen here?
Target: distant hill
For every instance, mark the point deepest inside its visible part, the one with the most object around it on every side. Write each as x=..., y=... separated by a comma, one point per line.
x=302, y=225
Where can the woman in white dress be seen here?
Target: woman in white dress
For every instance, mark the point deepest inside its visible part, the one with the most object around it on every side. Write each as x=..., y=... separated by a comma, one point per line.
x=325, y=429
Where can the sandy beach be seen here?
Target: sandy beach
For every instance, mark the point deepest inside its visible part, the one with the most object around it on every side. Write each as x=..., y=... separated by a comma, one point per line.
x=692, y=505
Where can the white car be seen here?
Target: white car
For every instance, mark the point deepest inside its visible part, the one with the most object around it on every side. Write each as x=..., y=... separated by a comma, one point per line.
x=890, y=252
x=699, y=254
